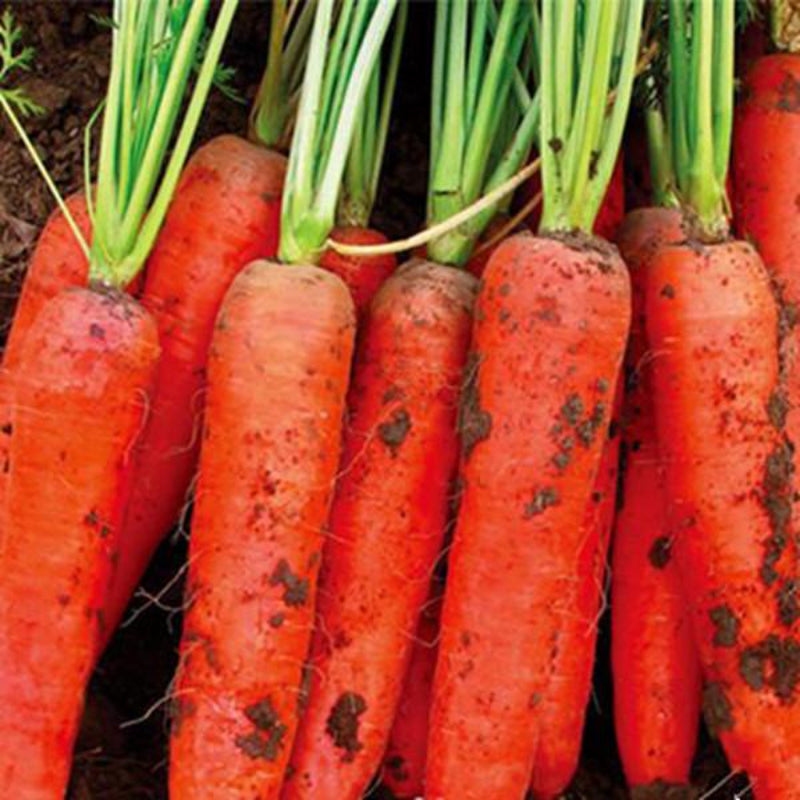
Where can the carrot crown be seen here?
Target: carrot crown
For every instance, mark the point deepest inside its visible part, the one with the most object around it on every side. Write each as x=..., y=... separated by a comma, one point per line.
x=339, y=68
x=484, y=112
x=698, y=108
x=589, y=50
x=272, y=115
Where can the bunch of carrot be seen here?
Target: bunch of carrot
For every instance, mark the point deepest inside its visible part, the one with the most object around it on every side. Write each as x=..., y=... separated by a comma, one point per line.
x=340, y=413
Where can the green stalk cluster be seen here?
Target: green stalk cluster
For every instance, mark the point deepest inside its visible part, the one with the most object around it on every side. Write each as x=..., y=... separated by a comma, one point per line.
x=690, y=117
x=589, y=52
x=484, y=115
x=272, y=115
x=343, y=51
x=154, y=53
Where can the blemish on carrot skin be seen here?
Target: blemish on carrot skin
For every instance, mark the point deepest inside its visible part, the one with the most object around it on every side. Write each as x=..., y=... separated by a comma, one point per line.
x=266, y=741
x=393, y=432
x=97, y=331
x=180, y=709
x=778, y=409
x=726, y=626
x=776, y=500
x=474, y=423
x=660, y=552
x=343, y=721
x=772, y=663
x=296, y=588
x=788, y=608
x=543, y=498
x=717, y=709
x=668, y=291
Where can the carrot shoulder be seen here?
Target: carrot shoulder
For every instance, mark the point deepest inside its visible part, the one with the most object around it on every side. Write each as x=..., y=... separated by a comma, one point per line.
x=278, y=373
x=720, y=414
x=387, y=525
x=81, y=385
x=225, y=213
x=548, y=339
x=655, y=666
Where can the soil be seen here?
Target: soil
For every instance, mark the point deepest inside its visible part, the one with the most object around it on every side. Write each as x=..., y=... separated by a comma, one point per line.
x=121, y=753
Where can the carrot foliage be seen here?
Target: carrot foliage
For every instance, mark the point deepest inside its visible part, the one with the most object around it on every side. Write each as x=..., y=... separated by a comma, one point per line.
x=484, y=111
x=343, y=51
x=589, y=51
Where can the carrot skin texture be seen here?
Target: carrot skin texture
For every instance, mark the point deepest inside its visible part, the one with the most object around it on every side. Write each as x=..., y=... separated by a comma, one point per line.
x=404, y=762
x=86, y=352
x=364, y=275
x=562, y=711
x=766, y=177
x=387, y=525
x=278, y=372
x=225, y=213
x=549, y=333
x=655, y=667
x=728, y=470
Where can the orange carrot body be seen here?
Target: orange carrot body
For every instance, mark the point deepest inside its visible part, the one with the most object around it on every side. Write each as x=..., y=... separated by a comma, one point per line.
x=224, y=214
x=387, y=526
x=550, y=329
x=81, y=383
x=278, y=373
x=766, y=176
x=404, y=762
x=363, y=275
x=563, y=708
x=656, y=670
x=712, y=320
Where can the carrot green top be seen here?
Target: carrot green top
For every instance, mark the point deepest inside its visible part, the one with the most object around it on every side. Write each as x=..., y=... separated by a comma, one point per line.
x=272, y=115
x=155, y=46
x=340, y=69
x=697, y=106
x=589, y=53
x=484, y=112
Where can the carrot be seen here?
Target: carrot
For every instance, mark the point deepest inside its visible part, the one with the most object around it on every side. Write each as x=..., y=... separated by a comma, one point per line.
x=404, y=761
x=79, y=395
x=765, y=173
x=225, y=213
x=71, y=468
x=57, y=262
x=550, y=328
x=278, y=372
x=719, y=406
x=563, y=708
x=387, y=525
x=656, y=670
x=363, y=275
x=736, y=554
x=280, y=364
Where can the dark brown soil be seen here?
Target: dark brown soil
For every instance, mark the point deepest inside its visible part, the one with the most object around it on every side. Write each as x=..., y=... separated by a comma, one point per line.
x=122, y=750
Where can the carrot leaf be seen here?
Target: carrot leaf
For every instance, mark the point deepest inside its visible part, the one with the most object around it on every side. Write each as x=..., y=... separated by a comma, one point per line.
x=595, y=43
x=342, y=55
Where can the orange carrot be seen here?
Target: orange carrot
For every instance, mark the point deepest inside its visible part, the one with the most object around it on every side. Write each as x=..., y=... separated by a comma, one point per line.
x=404, y=762
x=712, y=319
x=278, y=372
x=81, y=384
x=766, y=173
x=225, y=213
x=364, y=274
x=563, y=707
x=656, y=670
x=387, y=526
x=533, y=435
